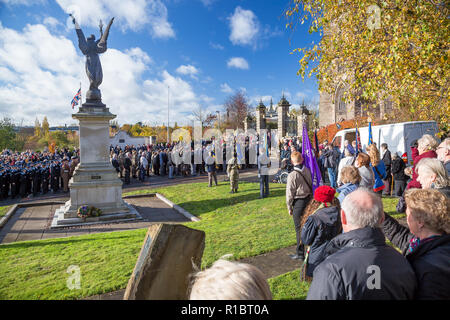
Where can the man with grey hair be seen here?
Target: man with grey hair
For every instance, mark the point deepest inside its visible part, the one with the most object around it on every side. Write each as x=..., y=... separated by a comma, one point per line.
x=359, y=264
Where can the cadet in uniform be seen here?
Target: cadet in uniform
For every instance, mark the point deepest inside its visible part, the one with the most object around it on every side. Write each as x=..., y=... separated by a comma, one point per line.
x=127, y=167
x=65, y=172
x=233, y=173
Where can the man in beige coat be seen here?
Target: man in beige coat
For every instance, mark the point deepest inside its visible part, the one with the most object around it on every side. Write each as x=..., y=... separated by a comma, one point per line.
x=298, y=195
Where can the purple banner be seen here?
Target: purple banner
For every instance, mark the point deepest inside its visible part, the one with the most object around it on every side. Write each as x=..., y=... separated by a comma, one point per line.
x=309, y=160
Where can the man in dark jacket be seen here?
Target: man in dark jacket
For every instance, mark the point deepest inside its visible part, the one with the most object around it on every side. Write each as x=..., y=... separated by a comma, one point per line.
x=386, y=158
x=330, y=156
x=360, y=265
x=400, y=178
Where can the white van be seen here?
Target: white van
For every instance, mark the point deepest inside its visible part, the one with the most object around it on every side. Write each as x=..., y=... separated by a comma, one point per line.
x=398, y=136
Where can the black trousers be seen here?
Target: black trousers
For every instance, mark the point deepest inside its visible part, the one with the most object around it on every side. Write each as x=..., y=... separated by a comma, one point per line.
x=264, y=186
x=299, y=208
x=399, y=187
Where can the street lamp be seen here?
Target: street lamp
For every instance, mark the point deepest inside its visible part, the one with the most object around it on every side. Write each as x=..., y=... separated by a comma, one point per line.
x=218, y=116
x=168, y=91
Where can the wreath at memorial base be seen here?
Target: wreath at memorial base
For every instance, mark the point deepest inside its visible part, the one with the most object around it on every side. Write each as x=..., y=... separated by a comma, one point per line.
x=88, y=211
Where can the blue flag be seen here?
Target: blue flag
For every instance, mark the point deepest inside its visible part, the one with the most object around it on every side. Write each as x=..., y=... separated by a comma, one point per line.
x=309, y=160
x=370, y=133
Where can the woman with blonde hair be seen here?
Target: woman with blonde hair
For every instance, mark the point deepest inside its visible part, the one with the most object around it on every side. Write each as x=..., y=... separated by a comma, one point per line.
x=426, y=240
x=426, y=148
x=432, y=174
x=350, y=178
x=378, y=168
x=362, y=162
x=227, y=280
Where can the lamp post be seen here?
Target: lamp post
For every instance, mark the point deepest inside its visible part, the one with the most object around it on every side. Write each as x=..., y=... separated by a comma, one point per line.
x=218, y=116
x=168, y=92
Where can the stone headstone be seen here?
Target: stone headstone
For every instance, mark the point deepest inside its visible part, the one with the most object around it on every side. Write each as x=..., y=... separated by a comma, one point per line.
x=165, y=263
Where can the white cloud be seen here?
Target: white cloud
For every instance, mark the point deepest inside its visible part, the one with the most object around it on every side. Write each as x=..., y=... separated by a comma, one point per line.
x=187, y=70
x=129, y=14
x=238, y=63
x=225, y=88
x=244, y=27
x=40, y=73
x=216, y=46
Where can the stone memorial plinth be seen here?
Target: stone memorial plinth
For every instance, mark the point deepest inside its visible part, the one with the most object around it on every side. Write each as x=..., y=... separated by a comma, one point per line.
x=95, y=181
x=169, y=255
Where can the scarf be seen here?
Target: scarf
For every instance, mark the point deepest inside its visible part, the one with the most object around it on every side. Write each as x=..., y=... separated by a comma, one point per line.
x=415, y=242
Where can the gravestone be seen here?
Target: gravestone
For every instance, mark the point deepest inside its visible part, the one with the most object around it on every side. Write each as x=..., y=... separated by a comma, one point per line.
x=166, y=260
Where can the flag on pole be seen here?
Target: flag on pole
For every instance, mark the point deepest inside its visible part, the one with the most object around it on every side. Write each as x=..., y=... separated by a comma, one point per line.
x=358, y=140
x=316, y=140
x=309, y=160
x=76, y=98
x=370, y=133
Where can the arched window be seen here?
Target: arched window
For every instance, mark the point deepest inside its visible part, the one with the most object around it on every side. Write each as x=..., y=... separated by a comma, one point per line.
x=340, y=103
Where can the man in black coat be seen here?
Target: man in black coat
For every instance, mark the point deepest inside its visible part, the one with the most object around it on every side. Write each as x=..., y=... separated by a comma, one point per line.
x=400, y=178
x=386, y=157
x=360, y=265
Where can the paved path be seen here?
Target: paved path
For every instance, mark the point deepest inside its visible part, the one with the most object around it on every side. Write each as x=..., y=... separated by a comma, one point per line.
x=33, y=223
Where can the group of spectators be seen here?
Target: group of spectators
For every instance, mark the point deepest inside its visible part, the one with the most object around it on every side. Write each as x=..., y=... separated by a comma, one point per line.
x=143, y=161
x=32, y=173
x=342, y=239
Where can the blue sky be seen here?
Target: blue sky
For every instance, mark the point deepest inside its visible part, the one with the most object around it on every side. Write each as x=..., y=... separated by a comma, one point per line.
x=204, y=50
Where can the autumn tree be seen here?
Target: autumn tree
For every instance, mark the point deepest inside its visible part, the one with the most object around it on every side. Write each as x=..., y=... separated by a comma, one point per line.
x=37, y=128
x=237, y=109
x=45, y=126
x=203, y=117
x=394, y=49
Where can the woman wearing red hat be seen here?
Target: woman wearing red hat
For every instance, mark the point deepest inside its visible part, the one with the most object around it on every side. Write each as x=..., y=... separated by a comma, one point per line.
x=320, y=223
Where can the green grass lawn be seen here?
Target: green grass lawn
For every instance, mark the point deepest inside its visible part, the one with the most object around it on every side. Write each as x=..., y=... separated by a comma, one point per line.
x=240, y=224
x=4, y=210
x=288, y=286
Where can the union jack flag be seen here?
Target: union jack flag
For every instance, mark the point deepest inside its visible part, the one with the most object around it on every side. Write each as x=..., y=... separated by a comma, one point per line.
x=76, y=98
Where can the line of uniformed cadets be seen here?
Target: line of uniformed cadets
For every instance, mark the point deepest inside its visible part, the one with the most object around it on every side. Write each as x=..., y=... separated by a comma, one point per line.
x=34, y=173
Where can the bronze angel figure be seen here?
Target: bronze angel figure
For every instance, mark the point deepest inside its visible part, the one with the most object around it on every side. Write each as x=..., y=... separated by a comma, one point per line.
x=91, y=49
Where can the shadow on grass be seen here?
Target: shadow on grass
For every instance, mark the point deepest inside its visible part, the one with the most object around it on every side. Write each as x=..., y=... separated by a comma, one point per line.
x=204, y=206
x=42, y=243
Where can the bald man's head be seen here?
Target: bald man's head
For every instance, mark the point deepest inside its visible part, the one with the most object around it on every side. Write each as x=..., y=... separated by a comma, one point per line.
x=362, y=208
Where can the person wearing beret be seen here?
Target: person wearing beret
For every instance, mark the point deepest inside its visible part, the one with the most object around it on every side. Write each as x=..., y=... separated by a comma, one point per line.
x=320, y=223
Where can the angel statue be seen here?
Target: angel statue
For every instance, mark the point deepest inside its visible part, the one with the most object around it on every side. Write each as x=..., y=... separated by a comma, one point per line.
x=91, y=48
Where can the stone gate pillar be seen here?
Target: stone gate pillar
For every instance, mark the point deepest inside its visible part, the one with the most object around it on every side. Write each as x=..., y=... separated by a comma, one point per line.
x=283, y=110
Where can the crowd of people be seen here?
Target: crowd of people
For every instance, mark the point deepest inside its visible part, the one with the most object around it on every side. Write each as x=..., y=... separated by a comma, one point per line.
x=30, y=173
x=143, y=161
x=342, y=230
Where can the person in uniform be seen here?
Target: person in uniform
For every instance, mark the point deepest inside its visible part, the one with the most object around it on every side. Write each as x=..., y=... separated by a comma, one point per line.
x=65, y=174
x=54, y=175
x=73, y=165
x=15, y=182
x=23, y=180
x=36, y=177
x=233, y=173
x=127, y=166
x=45, y=174
x=263, y=173
x=134, y=163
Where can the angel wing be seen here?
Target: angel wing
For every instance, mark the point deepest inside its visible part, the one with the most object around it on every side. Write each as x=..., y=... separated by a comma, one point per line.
x=101, y=45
